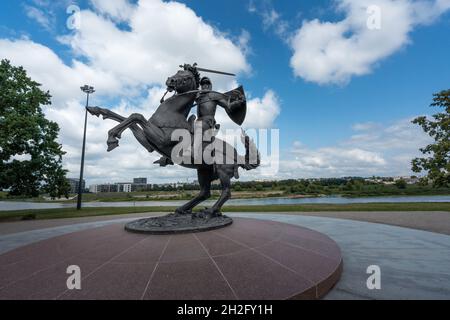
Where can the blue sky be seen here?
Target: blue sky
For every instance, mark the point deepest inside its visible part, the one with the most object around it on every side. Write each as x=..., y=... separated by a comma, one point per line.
x=399, y=86
x=343, y=107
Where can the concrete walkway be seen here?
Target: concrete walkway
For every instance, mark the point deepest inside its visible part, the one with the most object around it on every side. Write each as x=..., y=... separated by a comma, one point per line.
x=414, y=264
x=433, y=221
x=30, y=225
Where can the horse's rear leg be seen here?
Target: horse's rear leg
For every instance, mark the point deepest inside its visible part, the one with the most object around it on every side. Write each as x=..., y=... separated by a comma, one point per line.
x=115, y=133
x=225, y=173
x=140, y=136
x=204, y=179
x=137, y=131
x=105, y=113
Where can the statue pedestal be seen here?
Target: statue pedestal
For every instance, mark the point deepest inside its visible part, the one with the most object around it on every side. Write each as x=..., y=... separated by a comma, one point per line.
x=174, y=223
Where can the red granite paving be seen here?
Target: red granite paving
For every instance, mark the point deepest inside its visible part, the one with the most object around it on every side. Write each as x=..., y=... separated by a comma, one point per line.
x=189, y=280
x=251, y=259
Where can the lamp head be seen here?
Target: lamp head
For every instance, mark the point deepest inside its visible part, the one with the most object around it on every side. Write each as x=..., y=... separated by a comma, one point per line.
x=87, y=89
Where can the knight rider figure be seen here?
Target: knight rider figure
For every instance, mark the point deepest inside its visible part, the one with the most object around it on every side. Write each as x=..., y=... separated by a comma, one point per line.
x=207, y=102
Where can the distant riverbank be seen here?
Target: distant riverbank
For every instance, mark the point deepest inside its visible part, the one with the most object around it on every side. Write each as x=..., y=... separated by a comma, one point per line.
x=185, y=195
x=344, y=208
x=269, y=201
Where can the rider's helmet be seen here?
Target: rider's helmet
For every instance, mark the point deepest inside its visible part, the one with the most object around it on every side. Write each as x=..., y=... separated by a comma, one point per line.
x=205, y=81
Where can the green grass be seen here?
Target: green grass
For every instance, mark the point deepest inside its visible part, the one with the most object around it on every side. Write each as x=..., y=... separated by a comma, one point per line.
x=422, y=206
x=91, y=212
x=72, y=213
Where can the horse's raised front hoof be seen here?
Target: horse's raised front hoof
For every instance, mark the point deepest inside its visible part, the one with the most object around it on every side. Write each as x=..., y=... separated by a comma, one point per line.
x=95, y=111
x=112, y=144
x=114, y=134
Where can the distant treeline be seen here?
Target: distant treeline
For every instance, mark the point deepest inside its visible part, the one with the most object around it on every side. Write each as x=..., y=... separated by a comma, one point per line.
x=353, y=186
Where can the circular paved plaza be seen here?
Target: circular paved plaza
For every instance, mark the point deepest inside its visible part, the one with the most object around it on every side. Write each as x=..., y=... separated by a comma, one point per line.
x=414, y=264
x=251, y=259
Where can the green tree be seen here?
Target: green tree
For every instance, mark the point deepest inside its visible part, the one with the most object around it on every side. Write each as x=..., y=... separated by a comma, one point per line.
x=437, y=162
x=423, y=182
x=349, y=185
x=400, y=183
x=237, y=187
x=27, y=134
x=259, y=187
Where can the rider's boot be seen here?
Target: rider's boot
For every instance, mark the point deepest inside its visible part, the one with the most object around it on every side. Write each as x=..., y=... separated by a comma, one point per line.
x=164, y=162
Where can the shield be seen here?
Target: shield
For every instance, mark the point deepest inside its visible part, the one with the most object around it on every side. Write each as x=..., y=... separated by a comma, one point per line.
x=240, y=111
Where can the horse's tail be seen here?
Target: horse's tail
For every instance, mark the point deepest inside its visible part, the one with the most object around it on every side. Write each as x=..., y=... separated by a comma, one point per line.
x=252, y=155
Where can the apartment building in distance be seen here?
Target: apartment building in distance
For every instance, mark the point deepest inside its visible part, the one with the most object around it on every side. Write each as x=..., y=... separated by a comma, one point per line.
x=137, y=185
x=75, y=183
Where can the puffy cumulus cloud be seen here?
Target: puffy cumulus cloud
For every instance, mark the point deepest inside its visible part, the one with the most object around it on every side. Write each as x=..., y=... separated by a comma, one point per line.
x=332, y=162
x=332, y=52
x=374, y=149
x=119, y=10
x=159, y=36
x=261, y=113
x=44, y=66
x=127, y=50
x=122, y=61
x=390, y=140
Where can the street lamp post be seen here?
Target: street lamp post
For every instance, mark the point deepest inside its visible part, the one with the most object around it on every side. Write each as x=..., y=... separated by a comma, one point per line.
x=88, y=90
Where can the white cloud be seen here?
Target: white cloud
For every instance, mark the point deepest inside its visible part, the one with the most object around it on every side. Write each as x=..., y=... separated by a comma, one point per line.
x=119, y=10
x=364, y=126
x=44, y=66
x=161, y=36
x=333, y=52
x=375, y=149
x=244, y=42
x=43, y=12
x=39, y=16
x=334, y=161
x=128, y=67
x=261, y=113
x=271, y=18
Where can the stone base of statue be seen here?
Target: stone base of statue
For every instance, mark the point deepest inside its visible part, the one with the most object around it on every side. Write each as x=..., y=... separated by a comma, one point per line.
x=177, y=223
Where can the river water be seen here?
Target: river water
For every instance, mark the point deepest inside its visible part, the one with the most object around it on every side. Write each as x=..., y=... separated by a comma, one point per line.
x=24, y=205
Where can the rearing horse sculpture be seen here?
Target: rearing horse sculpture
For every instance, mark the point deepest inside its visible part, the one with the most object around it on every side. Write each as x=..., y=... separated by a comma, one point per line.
x=155, y=134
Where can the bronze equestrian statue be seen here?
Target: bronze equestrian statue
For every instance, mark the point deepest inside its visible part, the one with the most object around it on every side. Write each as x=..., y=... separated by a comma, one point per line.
x=155, y=134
